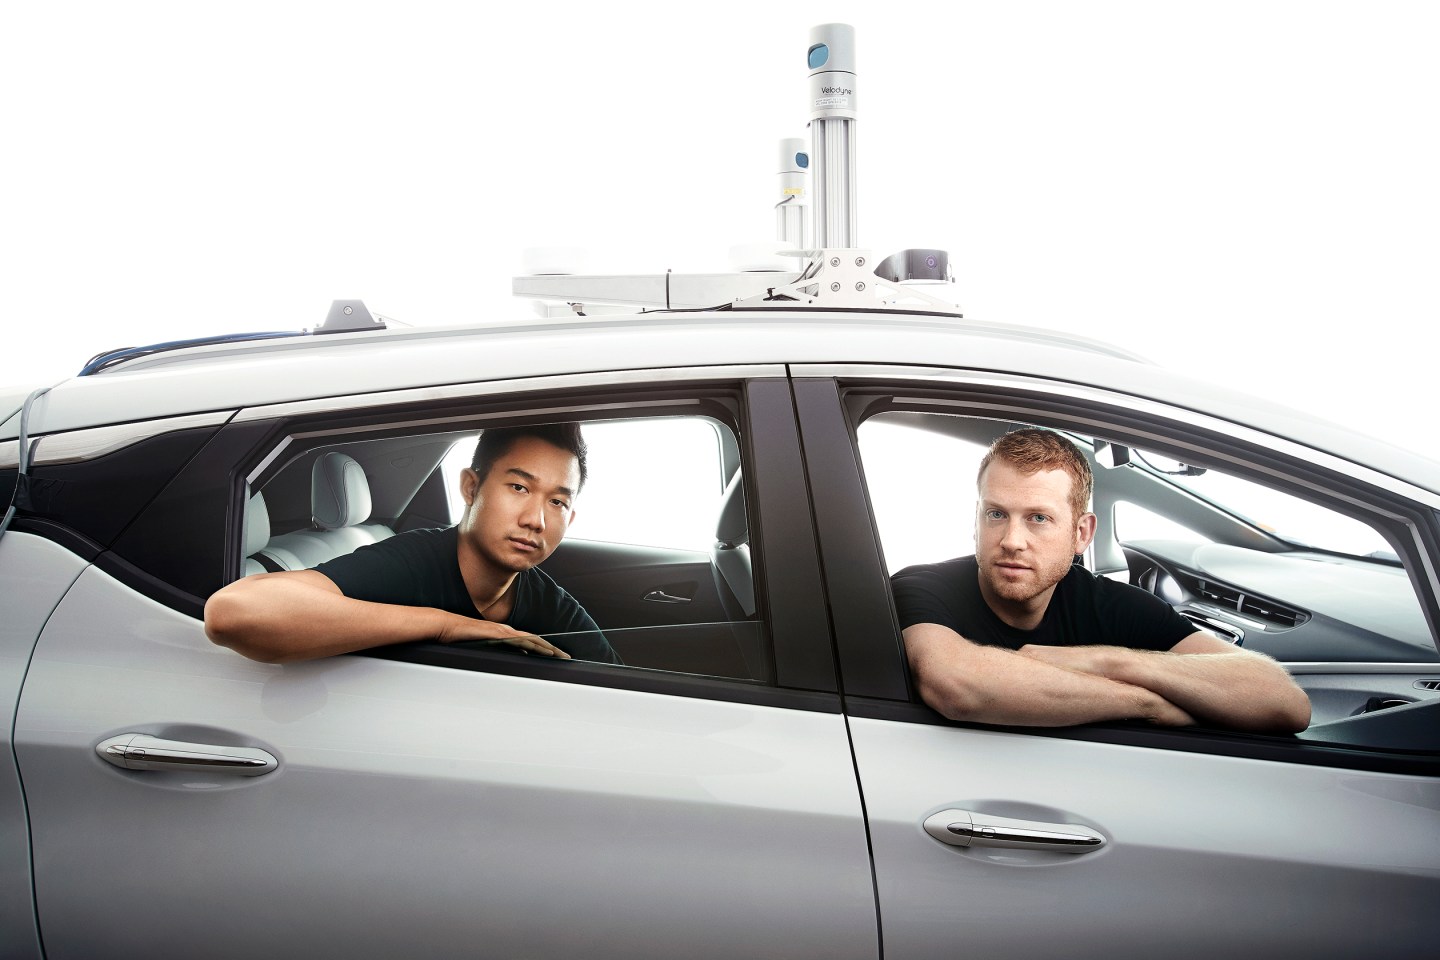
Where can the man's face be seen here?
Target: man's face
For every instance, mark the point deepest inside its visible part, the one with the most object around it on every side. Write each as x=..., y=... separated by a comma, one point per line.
x=517, y=515
x=1026, y=536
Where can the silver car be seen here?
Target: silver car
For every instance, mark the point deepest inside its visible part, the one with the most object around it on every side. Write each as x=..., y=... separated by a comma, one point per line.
x=758, y=778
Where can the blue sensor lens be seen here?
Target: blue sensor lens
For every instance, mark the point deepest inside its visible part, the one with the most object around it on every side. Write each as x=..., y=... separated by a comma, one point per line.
x=802, y=160
x=818, y=55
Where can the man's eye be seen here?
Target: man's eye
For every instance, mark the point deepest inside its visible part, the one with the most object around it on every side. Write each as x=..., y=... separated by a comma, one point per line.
x=518, y=487
x=994, y=515
x=560, y=503
x=1039, y=518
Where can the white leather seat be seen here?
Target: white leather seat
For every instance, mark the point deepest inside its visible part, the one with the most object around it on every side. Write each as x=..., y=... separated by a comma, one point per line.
x=730, y=555
x=339, y=505
x=256, y=534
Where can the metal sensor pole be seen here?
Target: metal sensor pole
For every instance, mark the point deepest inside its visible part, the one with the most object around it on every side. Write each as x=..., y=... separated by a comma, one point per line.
x=790, y=209
x=831, y=58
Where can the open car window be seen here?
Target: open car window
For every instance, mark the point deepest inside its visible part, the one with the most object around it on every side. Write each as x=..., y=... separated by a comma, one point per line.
x=659, y=554
x=1317, y=587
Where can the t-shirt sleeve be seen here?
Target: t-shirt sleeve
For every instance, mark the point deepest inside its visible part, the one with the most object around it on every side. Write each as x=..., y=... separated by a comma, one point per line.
x=1134, y=618
x=920, y=597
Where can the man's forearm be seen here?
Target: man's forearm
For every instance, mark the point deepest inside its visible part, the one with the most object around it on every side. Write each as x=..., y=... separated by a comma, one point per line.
x=282, y=619
x=966, y=681
x=1202, y=675
x=1242, y=690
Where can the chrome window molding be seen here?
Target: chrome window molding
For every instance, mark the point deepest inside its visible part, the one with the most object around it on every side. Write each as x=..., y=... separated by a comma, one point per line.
x=74, y=446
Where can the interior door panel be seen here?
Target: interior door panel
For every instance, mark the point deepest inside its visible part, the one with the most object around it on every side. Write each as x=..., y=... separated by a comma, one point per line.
x=660, y=608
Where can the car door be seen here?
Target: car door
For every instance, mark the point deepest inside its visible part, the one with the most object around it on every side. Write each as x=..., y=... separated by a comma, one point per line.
x=1109, y=839
x=435, y=801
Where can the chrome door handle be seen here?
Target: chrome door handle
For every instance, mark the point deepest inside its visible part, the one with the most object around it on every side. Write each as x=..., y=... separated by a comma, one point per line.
x=962, y=828
x=139, y=751
x=660, y=596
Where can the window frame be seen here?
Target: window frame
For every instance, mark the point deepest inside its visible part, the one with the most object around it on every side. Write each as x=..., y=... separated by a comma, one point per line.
x=789, y=594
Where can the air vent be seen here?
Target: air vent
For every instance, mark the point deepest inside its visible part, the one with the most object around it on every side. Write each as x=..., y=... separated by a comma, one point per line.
x=1248, y=605
x=1271, y=612
x=1218, y=594
x=1428, y=684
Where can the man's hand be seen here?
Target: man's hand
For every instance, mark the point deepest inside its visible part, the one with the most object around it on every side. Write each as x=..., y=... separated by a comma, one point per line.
x=466, y=629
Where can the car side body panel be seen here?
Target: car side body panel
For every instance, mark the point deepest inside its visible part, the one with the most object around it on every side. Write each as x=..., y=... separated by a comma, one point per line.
x=34, y=576
x=1204, y=856
x=423, y=811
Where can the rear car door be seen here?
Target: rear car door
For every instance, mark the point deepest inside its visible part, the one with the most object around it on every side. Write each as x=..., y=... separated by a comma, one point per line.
x=1191, y=843
x=430, y=801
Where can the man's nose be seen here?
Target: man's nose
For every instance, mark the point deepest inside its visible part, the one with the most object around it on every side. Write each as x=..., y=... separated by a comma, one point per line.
x=1013, y=537
x=533, y=516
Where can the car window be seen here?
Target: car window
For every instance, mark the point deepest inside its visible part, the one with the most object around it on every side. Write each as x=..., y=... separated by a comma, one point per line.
x=644, y=557
x=1313, y=580
x=1283, y=515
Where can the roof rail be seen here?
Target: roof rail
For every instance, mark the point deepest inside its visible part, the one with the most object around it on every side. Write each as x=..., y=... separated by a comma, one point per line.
x=346, y=316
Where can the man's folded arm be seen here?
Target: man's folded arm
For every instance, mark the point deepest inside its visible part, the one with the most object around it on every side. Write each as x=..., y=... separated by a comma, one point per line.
x=1210, y=679
x=969, y=681
x=302, y=615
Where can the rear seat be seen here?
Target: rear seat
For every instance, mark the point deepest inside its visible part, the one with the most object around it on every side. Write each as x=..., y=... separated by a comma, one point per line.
x=339, y=505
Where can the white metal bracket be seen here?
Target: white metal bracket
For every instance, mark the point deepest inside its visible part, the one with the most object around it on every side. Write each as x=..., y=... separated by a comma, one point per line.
x=844, y=277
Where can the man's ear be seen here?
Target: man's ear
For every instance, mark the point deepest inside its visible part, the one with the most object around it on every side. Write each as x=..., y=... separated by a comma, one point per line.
x=1084, y=532
x=469, y=485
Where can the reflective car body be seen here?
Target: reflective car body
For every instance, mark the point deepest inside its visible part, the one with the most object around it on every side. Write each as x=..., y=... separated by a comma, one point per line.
x=757, y=780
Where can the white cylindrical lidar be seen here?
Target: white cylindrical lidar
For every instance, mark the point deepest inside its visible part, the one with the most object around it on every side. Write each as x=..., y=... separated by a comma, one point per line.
x=790, y=225
x=831, y=59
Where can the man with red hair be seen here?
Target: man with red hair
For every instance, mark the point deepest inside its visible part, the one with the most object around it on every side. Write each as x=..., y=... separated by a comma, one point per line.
x=1019, y=634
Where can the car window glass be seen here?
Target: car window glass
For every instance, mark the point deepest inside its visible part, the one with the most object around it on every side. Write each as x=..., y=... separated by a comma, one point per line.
x=1134, y=522
x=1276, y=512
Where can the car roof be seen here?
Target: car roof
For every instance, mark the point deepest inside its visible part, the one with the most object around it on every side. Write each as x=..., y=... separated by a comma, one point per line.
x=232, y=375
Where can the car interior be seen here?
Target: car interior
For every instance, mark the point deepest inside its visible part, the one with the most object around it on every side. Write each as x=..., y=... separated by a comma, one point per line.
x=687, y=608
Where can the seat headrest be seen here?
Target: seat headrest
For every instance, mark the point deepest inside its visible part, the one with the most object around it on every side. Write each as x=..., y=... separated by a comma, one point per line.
x=732, y=529
x=339, y=492
x=256, y=526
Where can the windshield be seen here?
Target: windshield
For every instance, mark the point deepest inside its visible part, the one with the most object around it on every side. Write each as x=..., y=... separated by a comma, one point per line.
x=1280, y=514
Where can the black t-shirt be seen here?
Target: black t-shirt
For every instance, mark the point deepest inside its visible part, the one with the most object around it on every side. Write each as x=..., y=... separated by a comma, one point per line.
x=421, y=569
x=1085, y=609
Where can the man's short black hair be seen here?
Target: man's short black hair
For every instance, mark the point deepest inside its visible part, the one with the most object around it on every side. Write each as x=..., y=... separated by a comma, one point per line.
x=495, y=442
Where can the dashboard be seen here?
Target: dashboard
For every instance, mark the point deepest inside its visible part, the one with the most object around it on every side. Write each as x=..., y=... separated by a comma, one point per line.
x=1294, y=606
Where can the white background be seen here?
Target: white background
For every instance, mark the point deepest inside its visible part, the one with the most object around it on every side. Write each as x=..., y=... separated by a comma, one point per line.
x=1247, y=190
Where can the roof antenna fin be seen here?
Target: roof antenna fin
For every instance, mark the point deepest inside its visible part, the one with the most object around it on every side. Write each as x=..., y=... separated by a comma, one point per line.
x=347, y=316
